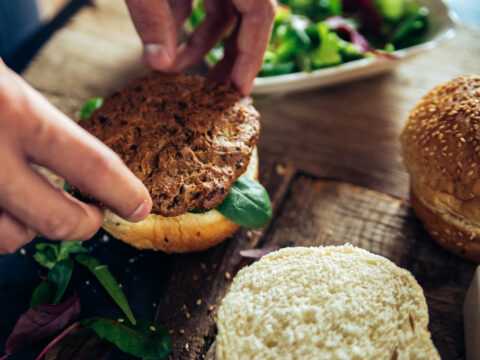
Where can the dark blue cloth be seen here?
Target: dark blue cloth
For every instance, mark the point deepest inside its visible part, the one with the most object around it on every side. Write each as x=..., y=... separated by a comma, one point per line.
x=19, y=19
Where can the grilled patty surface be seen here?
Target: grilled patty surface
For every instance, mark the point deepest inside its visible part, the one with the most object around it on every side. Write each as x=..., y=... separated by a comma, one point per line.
x=187, y=138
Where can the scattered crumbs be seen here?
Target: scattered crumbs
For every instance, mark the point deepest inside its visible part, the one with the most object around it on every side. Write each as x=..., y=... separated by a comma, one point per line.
x=120, y=320
x=171, y=331
x=132, y=260
x=208, y=278
x=280, y=169
x=187, y=347
x=152, y=328
x=154, y=304
x=23, y=251
x=181, y=331
x=187, y=315
x=210, y=308
x=214, y=266
x=227, y=275
x=195, y=277
x=87, y=282
x=329, y=232
x=105, y=238
x=199, y=302
x=184, y=307
x=120, y=286
x=249, y=234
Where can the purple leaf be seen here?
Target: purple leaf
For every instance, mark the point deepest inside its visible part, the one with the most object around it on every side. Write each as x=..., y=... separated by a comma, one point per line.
x=41, y=322
x=258, y=253
x=345, y=30
x=370, y=17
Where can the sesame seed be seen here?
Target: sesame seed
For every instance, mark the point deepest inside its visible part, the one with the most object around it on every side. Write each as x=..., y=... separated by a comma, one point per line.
x=120, y=320
x=462, y=139
x=210, y=308
x=187, y=347
x=152, y=328
x=227, y=275
x=459, y=164
x=184, y=307
x=181, y=331
x=199, y=302
x=23, y=251
x=470, y=173
x=187, y=315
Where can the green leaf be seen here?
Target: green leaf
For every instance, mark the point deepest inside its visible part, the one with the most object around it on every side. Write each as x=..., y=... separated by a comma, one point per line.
x=328, y=53
x=146, y=339
x=247, y=203
x=392, y=10
x=51, y=290
x=46, y=254
x=70, y=247
x=106, y=278
x=89, y=106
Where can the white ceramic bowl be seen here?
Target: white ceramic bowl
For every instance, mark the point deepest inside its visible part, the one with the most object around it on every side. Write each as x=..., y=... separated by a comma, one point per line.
x=442, y=21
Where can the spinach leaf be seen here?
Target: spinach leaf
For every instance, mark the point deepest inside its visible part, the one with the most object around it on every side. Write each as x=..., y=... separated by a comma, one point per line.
x=41, y=322
x=106, y=278
x=83, y=344
x=70, y=247
x=146, y=339
x=53, y=287
x=247, y=203
x=89, y=106
x=46, y=254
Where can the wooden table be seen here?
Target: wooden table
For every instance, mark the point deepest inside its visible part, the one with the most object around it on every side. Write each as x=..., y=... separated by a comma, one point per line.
x=329, y=158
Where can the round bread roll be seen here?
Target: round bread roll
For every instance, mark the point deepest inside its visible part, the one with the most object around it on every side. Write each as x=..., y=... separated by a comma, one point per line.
x=324, y=303
x=441, y=147
x=182, y=233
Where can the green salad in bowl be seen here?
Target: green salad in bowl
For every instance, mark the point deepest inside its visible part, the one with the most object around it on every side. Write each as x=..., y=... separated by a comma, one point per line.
x=314, y=34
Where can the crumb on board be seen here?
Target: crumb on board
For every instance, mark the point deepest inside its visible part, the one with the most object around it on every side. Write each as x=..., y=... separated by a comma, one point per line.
x=187, y=315
x=187, y=347
x=152, y=328
x=199, y=302
x=181, y=331
x=227, y=275
x=210, y=308
x=120, y=320
x=280, y=169
x=23, y=251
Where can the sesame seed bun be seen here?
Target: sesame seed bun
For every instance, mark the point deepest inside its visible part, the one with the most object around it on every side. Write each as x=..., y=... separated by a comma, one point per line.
x=441, y=151
x=182, y=233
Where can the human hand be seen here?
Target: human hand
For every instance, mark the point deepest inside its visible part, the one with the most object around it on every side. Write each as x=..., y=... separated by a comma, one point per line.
x=157, y=22
x=32, y=131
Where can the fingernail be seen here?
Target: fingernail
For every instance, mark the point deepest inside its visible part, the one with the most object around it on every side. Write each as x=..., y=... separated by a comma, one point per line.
x=141, y=213
x=156, y=56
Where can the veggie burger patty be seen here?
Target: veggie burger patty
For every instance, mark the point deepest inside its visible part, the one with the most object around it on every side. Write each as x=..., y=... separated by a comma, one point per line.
x=186, y=138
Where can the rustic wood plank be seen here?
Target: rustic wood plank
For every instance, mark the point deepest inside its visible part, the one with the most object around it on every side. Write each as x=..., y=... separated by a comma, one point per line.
x=331, y=213
x=199, y=280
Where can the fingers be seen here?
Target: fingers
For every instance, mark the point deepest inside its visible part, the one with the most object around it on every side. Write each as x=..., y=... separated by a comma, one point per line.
x=220, y=16
x=59, y=144
x=44, y=208
x=156, y=27
x=254, y=34
x=181, y=9
x=13, y=234
x=222, y=70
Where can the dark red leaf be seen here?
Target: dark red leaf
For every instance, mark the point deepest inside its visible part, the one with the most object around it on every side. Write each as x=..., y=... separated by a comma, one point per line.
x=371, y=20
x=346, y=30
x=41, y=322
x=258, y=253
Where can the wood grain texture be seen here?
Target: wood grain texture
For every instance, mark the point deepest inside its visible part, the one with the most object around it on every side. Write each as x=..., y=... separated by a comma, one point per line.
x=348, y=133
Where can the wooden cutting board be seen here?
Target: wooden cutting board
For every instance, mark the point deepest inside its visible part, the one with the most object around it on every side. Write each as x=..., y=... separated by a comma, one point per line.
x=328, y=158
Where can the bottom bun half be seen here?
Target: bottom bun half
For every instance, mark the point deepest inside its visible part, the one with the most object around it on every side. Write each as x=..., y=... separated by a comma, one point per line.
x=183, y=233
x=452, y=232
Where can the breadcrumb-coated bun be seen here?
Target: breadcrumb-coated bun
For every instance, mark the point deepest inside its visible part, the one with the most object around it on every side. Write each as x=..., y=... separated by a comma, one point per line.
x=182, y=233
x=324, y=303
x=441, y=151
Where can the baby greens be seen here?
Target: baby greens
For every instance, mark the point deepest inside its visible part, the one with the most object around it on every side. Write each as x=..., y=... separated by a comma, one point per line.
x=89, y=106
x=51, y=290
x=247, y=203
x=106, y=278
x=304, y=40
x=145, y=339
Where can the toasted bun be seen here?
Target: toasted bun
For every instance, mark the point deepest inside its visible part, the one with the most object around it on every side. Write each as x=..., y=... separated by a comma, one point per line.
x=324, y=303
x=441, y=147
x=183, y=233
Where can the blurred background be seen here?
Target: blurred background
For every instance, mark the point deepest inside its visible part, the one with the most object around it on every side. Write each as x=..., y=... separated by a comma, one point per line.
x=26, y=24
